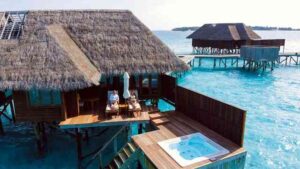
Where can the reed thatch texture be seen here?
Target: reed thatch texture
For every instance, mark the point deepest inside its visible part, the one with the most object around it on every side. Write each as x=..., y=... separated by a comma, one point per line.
x=41, y=65
x=114, y=41
x=224, y=32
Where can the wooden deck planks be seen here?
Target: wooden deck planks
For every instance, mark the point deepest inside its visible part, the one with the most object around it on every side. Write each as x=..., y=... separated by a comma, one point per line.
x=160, y=121
x=179, y=125
x=157, y=115
x=191, y=57
x=93, y=120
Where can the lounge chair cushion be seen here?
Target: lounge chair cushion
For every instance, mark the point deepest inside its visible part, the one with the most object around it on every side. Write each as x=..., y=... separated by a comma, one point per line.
x=113, y=108
x=134, y=107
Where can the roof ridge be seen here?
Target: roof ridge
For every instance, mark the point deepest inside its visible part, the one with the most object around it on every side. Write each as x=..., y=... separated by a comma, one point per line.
x=80, y=60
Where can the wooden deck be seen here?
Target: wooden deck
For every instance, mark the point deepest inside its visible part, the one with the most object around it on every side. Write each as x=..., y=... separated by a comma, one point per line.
x=95, y=120
x=189, y=57
x=179, y=125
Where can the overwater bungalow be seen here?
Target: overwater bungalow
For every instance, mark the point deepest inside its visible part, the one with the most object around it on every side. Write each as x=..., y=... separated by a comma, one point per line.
x=59, y=67
x=227, y=38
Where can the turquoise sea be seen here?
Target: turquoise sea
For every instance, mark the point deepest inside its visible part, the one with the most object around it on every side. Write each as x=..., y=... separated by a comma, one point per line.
x=272, y=101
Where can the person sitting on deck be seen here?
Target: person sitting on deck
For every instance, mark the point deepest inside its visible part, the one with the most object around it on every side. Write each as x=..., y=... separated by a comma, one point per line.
x=114, y=99
x=132, y=100
x=112, y=106
x=133, y=104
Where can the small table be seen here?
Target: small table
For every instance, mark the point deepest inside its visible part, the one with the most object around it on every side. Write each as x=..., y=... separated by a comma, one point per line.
x=123, y=108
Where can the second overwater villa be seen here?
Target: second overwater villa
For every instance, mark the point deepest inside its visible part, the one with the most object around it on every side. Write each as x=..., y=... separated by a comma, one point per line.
x=82, y=70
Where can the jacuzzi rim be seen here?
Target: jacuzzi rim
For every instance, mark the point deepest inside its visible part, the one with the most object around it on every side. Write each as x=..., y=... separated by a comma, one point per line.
x=221, y=150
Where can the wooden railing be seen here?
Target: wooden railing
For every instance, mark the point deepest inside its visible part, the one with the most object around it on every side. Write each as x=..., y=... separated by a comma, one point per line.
x=224, y=119
x=99, y=154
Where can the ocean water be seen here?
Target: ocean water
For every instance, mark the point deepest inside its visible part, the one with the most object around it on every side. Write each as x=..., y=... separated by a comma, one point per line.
x=272, y=101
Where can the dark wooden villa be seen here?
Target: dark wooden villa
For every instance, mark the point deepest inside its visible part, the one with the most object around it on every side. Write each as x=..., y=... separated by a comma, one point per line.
x=58, y=66
x=62, y=54
x=227, y=38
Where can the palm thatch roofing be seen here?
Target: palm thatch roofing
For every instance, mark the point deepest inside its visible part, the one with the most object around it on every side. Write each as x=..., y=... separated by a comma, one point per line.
x=114, y=41
x=224, y=32
x=229, y=36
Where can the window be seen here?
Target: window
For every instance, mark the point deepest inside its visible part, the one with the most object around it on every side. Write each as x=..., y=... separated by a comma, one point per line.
x=44, y=98
x=154, y=81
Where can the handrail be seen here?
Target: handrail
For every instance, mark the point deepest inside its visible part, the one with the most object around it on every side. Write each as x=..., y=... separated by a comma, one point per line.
x=113, y=137
x=98, y=153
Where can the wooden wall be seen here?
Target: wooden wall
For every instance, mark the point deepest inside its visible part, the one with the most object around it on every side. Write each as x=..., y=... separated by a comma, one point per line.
x=25, y=112
x=220, y=117
x=236, y=44
x=258, y=53
x=168, y=87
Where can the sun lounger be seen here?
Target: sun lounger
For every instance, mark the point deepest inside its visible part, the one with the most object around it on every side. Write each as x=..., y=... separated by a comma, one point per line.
x=133, y=102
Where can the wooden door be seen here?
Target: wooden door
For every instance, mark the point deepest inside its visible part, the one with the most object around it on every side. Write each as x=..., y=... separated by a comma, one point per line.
x=71, y=104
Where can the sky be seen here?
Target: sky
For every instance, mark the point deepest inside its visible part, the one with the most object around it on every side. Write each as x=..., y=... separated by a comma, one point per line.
x=167, y=14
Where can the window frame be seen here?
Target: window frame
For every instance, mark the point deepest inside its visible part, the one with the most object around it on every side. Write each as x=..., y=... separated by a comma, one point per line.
x=52, y=105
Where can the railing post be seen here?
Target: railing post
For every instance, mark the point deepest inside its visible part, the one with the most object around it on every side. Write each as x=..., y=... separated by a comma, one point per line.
x=115, y=145
x=129, y=132
x=101, y=162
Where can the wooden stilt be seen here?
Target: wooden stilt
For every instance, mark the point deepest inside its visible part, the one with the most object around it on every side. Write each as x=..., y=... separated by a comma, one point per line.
x=139, y=165
x=86, y=134
x=44, y=136
x=199, y=64
x=79, y=148
x=12, y=108
x=249, y=65
x=214, y=62
x=39, y=143
x=1, y=128
x=140, y=128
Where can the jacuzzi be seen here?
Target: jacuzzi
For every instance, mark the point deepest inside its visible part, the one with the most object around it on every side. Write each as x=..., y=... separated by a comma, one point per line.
x=193, y=148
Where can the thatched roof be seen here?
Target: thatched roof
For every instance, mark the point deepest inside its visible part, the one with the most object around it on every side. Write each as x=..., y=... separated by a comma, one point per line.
x=114, y=41
x=224, y=32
